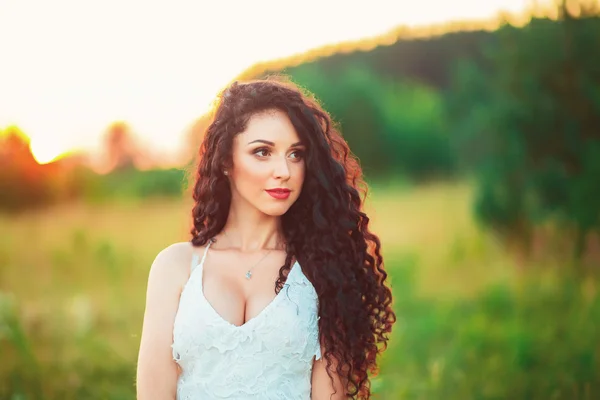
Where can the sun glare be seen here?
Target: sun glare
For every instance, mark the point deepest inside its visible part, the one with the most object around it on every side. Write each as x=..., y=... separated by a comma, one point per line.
x=45, y=151
x=81, y=66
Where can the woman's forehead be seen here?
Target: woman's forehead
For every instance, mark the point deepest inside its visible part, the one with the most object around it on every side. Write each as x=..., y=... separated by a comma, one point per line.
x=273, y=126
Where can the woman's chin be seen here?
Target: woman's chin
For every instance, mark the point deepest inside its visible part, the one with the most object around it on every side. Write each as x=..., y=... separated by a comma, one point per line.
x=276, y=210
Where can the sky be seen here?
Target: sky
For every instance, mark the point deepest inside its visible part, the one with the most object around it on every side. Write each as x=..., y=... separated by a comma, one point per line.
x=69, y=68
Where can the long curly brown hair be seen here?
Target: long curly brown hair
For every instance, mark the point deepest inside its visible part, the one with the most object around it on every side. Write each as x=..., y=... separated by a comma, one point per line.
x=325, y=229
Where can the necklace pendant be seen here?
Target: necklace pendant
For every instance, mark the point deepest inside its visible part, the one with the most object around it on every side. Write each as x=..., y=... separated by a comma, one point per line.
x=248, y=275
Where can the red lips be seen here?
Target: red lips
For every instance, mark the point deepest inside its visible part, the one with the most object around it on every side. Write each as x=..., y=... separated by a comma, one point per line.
x=279, y=193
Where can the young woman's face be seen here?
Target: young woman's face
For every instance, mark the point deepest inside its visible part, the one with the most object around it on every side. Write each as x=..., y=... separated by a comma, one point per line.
x=268, y=156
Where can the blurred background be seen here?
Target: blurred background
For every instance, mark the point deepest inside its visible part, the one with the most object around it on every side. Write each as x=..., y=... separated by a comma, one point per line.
x=477, y=125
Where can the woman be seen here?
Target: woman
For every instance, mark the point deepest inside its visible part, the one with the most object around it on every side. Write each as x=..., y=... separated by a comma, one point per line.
x=280, y=293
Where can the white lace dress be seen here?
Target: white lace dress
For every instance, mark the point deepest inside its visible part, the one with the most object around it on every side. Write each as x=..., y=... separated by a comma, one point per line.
x=268, y=357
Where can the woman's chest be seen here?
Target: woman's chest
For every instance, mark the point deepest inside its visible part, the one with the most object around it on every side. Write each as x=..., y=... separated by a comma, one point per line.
x=287, y=325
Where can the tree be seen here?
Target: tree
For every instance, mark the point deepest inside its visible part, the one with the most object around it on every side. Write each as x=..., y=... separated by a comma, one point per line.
x=121, y=149
x=539, y=133
x=23, y=182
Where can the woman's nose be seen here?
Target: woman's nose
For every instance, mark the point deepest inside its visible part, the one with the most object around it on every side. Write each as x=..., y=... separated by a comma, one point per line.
x=281, y=168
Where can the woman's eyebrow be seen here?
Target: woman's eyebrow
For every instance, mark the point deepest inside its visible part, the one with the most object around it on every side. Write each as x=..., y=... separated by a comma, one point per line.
x=273, y=144
x=262, y=141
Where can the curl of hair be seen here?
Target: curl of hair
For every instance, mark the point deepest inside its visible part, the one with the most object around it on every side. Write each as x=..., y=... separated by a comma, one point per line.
x=325, y=229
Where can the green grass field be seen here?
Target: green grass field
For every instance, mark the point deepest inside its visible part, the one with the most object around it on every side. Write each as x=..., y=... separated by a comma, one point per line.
x=472, y=324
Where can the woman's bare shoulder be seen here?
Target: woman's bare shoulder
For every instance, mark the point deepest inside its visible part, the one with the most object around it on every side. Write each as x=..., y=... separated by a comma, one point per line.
x=176, y=251
x=173, y=262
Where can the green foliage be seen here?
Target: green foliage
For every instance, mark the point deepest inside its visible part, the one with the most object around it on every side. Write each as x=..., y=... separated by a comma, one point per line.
x=533, y=122
x=416, y=131
x=394, y=127
x=26, y=185
x=71, y=311
x=421, y=60
x=136, y=184
x=505, y=343
x=440, y=349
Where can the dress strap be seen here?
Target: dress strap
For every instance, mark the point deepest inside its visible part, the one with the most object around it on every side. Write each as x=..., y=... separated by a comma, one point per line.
x=195, y=257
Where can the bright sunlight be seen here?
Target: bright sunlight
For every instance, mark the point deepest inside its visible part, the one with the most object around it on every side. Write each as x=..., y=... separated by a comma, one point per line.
x=45, y=151
x=76, y=66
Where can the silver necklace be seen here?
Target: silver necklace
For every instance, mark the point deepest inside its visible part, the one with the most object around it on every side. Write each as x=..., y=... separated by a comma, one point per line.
x=249, y=272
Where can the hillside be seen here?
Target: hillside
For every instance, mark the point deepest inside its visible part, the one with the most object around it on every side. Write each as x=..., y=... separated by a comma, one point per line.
x=416, y=56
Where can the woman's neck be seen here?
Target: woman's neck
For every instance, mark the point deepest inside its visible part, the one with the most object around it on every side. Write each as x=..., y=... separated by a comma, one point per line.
x=252, y=233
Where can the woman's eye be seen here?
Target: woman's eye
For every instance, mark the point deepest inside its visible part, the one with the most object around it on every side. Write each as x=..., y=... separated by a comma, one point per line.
x=298, y=154
x=261, y=150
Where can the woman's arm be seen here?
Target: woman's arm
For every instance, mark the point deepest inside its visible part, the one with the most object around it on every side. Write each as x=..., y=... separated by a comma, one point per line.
x=157, y=372
x=322, y=388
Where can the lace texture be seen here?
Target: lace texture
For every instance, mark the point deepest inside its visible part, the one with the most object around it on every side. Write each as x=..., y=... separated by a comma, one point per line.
x=269, y=357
